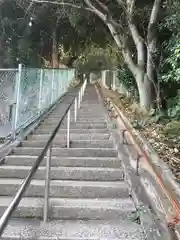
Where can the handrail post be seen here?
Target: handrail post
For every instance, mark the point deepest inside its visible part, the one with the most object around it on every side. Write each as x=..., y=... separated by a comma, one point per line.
x=79, y=99
x=25, y=184
x=47, y=183
x=75, y=109
x=81, y=93
x=84, y=87
x=68, y=128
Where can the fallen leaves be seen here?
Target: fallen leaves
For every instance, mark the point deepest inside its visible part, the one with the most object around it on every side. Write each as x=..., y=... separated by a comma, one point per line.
x=166, y=145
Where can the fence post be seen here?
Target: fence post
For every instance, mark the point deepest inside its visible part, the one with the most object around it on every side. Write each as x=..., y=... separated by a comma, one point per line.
x=61, y=81
x=59, y=84
x=79, y=99
x=114, y=81
x=40, y=91
x=17, y=101
x=104, y=77
x=56, y=85
x=67, y=79
x=52, y=87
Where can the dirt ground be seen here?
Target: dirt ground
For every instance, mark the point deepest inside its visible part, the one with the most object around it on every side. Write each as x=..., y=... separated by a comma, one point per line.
x=164, y=137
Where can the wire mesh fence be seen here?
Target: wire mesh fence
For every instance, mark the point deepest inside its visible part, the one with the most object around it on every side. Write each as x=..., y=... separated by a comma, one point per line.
x=112, y=80
x=26, y=92
x=28, y=99
x=7, y=87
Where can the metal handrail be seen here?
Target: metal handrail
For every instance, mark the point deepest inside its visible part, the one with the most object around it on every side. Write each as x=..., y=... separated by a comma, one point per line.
x=46, y=150
x=166, y=190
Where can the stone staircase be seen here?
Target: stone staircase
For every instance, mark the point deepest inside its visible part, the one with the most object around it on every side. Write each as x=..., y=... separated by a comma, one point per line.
x=89, y=198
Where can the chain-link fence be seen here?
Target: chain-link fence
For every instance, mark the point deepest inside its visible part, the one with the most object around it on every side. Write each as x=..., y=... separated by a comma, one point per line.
x=111, y=79
x=7, y=86
x=26, y=92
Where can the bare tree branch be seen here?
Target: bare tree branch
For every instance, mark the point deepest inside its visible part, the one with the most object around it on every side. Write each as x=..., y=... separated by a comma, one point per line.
x=117, y=35
x=152, y=38
x=61, y=3
x=123, y=5
x=102, y=6
x=130, y=6
x=95, y=10
x=155, y=11
x=138, y=41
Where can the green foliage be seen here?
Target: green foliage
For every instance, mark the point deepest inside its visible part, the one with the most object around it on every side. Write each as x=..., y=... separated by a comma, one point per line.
x=174, y=107
x=169, y=74
x=126, y=78
x=18, y=42
x=172, y=128
x=170, y=67
x=21, y=42
x=96, y=57
x=172, y=63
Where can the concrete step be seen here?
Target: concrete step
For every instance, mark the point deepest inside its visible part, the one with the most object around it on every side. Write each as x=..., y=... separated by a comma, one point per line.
x=67, y=188
x=86, y=183
x=73, y=230
x=87, y=103
x=87, y=107
x=64, y=173
x=71, y=152
x=74, y=136
x=73, y=144
x=65, y=161
x=90, y=106
x=59, y=208
x=78, y=131
x=86, y=120
x=78, y=122
x=95, y=113
x=86, y=123
x=77, y=125
x=90, y=110
x=90, y=98
x=80, y=117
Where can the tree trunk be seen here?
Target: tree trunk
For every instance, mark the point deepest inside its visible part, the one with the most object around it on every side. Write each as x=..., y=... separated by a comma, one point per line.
x=144, y=89
x=144, y=78
x=55, y=62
